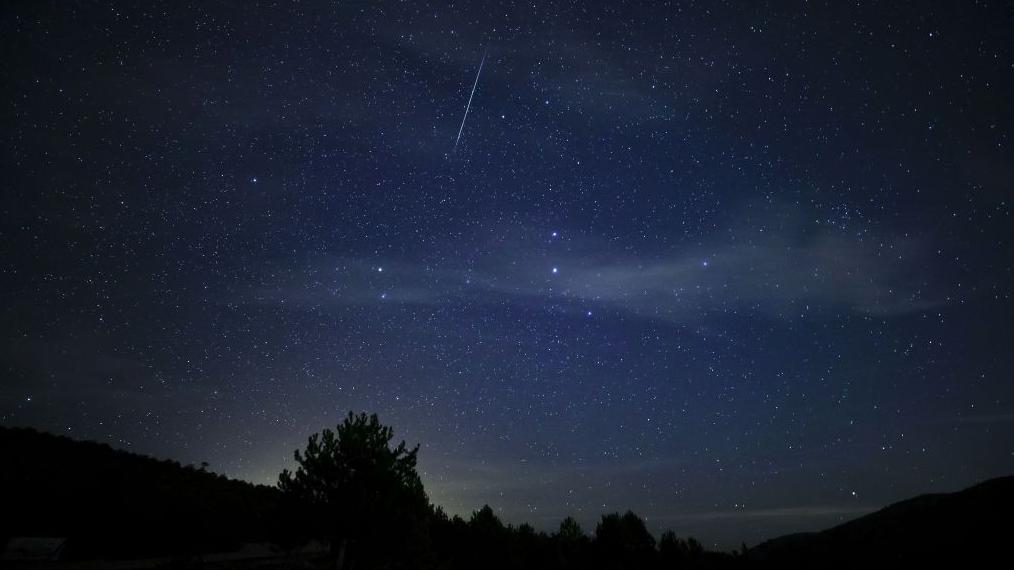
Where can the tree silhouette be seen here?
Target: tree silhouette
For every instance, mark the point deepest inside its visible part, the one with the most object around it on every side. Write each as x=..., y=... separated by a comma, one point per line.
x=624, y=541
x=570, y=530
x=485, y=523
x=363, y=495
x=674, y=552
x=571, y=545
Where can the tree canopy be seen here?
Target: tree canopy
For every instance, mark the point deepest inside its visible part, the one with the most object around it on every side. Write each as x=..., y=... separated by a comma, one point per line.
x=363, y=492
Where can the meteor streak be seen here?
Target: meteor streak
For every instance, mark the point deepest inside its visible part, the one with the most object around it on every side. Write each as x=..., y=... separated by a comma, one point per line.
x=469, y=105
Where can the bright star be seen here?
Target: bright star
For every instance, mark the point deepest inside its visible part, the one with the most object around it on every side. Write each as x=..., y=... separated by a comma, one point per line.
x=556, y=270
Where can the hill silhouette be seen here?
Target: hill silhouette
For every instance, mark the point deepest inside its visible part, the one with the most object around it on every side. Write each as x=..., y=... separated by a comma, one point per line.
x=115, y=504
x=962, y=528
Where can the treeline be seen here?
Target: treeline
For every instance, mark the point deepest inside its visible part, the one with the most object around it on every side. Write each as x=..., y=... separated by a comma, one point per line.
x=360, y=498
x=361, y=493
x=112, y=504
x=618, y=542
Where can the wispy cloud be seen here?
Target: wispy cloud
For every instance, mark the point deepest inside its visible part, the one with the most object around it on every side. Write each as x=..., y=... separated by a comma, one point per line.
x=779, y=275
x=774, y=276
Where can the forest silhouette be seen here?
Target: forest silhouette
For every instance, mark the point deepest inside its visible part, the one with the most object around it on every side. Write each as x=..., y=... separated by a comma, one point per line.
x=355, y=501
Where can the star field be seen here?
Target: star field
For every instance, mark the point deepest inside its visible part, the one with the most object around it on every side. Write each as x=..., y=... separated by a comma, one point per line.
x=742, y=268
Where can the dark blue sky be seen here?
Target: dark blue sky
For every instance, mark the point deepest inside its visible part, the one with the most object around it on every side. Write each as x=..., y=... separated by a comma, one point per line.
x=744, y=268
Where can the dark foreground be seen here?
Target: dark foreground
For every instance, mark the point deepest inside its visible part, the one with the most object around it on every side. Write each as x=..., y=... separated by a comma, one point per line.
x=80, y=505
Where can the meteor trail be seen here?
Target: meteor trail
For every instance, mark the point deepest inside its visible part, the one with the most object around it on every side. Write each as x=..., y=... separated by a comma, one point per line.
x=469, y=106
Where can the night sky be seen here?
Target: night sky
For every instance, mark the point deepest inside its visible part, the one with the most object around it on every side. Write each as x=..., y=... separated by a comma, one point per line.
x=744, y=268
